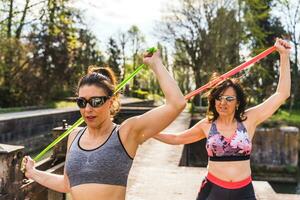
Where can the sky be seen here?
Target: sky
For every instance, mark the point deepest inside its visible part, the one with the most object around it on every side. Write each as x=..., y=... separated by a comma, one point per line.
x=108, y=17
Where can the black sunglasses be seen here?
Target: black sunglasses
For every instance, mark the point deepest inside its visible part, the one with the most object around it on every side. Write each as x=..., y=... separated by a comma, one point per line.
x=95, y=102
x=226, y=98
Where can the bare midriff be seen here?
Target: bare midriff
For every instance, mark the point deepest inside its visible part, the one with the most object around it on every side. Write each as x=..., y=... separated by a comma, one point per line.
x=98, y=191
x=232, y=171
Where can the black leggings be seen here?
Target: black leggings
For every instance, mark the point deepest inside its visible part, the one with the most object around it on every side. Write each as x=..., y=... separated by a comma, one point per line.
x=211, y=191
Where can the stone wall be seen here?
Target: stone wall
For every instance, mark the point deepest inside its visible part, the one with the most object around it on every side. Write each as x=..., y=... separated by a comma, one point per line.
x=34, y=130
x=275, y=154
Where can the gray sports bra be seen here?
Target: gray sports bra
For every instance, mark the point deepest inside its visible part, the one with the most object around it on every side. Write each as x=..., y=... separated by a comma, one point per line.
x=107, y=164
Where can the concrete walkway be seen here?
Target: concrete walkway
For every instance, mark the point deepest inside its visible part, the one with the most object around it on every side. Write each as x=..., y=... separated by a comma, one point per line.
x=155, y=174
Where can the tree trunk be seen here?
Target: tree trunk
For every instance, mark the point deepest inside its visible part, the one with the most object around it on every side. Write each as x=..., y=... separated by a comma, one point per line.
x=10, y=18
x=295, y=77
x=22, y=21
x=197, y=99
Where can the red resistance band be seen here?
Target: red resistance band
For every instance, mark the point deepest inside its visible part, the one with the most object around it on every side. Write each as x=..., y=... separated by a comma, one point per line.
x=231, y=72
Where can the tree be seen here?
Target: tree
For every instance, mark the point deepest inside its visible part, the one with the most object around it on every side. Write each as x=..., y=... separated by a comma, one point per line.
x=224, y=43
x=14, y=53
x=55, y=45
x=184, y=29
x=181, y=69
x=114, y=56
x=137, y=40
x=123, y=40
x=87, y=53
x=44, y=52
x=196, y=29
x=291, y=11
x=261, y=29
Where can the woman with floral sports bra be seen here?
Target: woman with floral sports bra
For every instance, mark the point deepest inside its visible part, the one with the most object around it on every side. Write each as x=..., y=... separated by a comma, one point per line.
x=229, y=129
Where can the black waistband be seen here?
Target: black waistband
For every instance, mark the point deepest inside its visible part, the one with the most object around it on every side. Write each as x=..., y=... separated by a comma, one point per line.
x=229, y=158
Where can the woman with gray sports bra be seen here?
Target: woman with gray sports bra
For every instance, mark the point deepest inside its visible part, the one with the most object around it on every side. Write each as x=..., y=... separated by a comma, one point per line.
x=99, y=156
x=229, y=129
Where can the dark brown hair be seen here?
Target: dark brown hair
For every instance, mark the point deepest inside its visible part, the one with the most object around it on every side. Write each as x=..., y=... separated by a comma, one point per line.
x=215, y=92
x=104, y=78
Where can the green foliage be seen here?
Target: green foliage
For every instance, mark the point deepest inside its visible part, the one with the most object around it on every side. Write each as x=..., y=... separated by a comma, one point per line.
x=292, y=119
x=137, y=41
x=261, y=29
x=139, y=94
x=9, y=110
x=45, y=62
x=209, y=37
x=61, y=104
x=114, y=56
x=206, y=38
x=54, y=104
x=159, y=100
x=87, y=53
x=223, y=36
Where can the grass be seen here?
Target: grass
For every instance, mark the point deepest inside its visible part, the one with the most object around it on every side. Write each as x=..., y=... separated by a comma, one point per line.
x=292, y=119
x=56, y=104
x=156, y=98
x=8, y=110
x=62, y=104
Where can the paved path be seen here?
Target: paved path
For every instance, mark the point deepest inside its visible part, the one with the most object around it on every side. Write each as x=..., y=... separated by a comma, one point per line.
x=155, y=173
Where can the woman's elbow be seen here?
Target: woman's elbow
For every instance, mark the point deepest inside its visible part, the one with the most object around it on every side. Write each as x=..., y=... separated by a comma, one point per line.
x=283, y=95
x=177, y=141
x=286, y=95
x=67, y=190
x=180, y=104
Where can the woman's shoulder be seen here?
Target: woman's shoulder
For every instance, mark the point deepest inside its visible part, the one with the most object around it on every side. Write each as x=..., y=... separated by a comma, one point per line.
x=74, y=133
x=204, y=124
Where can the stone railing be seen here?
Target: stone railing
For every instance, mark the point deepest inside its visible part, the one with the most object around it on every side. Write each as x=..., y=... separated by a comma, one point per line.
x=32, y=128
x=13, y=184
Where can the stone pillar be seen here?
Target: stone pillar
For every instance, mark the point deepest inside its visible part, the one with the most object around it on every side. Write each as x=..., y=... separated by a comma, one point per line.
x=10, y=175
x=59, y=150
x=276, y=146
x=275, y=154
x=59, y=155
x=52, y=195
x=291, y=144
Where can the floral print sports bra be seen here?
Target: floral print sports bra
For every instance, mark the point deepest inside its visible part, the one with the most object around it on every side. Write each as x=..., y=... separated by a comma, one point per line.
x=220, y=148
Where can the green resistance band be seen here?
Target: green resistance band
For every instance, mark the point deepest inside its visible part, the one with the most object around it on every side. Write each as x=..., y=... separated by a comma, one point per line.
x=80, y=121
x=150, y=50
